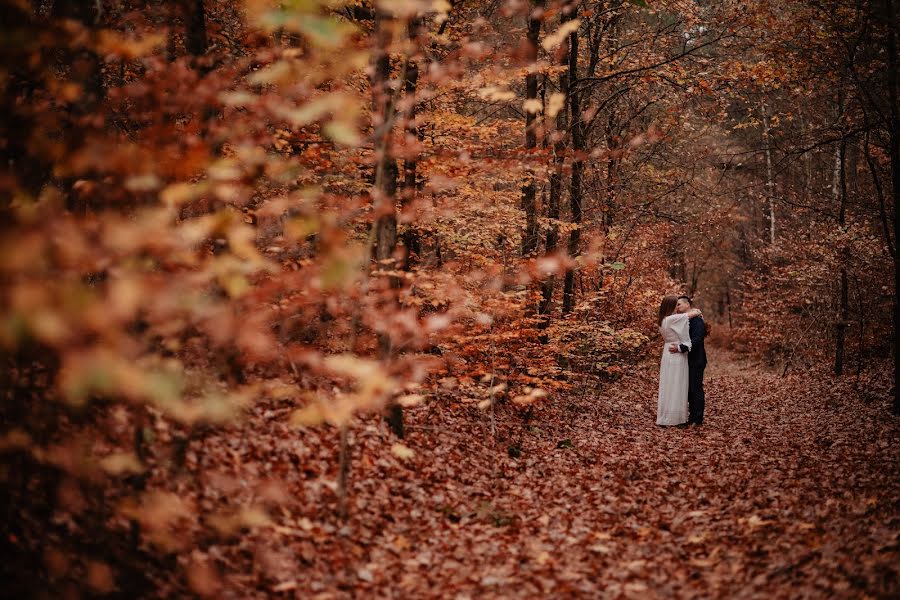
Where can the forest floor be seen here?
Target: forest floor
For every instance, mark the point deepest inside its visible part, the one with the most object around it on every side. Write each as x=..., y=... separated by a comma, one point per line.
x=790, y=489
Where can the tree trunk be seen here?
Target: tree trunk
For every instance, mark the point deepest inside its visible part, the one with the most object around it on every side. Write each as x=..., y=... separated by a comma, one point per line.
x=386, y=172
x=770, y=176
x=87, y=70
x=559, y=149
x=411, y=243
x=841, y=194
x=530, y=235
x=195, y=19
x=92, y=81
x=879, y=193
x=17, y=162
x=611, y=169
x=895, y=180
x=577, y=125
x=386, y=175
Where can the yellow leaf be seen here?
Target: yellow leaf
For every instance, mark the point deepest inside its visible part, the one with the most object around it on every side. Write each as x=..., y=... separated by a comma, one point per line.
x=112, y=43
x=496, y=94
x=755, y=521
x=181, y=193
x=121, y=463
x=410, y=400
x=309, y=416
x=500, y=387
x=600, y=549
x=555, y=39
x=342, y=133
x=401, y=451
x=555, y=104
x=532, y=105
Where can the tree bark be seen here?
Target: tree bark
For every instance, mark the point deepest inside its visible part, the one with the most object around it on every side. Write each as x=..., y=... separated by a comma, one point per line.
x=386, y=172
x=770, y=176
x=559, y=148
x=195, y=19
x=411, y=243
x=841, y=193
x=895, y=179
x=578, y=145
x=879, y=193
x=92, y=82
x=530, y=235
x=87, y=70
x=386, y=176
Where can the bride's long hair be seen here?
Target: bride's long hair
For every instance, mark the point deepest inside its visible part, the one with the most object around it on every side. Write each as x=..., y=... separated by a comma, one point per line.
x=667, y=307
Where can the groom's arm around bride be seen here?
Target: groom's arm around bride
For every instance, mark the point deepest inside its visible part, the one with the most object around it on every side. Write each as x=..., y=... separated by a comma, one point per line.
x=696, y=362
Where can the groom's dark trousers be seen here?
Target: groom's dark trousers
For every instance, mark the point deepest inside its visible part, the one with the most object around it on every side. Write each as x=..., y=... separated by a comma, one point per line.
x=696, y=366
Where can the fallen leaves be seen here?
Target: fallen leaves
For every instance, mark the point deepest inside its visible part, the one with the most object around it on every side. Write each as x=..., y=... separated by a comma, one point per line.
x=402, y=451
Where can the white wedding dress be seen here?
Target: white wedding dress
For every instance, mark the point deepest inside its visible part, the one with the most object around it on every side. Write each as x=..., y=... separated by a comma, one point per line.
x=672, y=405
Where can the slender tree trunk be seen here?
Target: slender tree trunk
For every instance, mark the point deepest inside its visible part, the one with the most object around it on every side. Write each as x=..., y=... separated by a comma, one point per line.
x=770, y=176
x=411, y=241
x=879, y=192
x=87, y=69
x=895, y=180
x=386, y=175
x=17, y=162
x=577, y=125
x=559, y=149
x=807, y=163
x=195, y=17
x=386, y=172
x=611, y=168
x=841, y=194
x=529, y=205
x=86, y=13
x=861, y=334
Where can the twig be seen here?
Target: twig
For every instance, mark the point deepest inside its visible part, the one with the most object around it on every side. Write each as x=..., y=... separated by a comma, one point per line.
x=491, y=389
x=343, y=471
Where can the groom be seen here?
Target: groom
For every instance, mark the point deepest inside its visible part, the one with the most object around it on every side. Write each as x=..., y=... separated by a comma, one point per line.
x=696, y=361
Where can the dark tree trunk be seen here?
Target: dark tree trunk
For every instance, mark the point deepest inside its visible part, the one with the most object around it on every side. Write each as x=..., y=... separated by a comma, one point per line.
x=559, y=149
x=411, y=243
x=611, y=173
x=386, y=172
x=895, y=180
x=86, y=69
x=879, y=193
x=577, y=125
x=841, y=326
x=529, y=205
x=386, y=177
x=28, y=170
x=195, y=19
x=82, y=60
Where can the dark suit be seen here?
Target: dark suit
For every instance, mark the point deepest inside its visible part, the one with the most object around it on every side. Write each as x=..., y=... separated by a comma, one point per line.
x=696, y=366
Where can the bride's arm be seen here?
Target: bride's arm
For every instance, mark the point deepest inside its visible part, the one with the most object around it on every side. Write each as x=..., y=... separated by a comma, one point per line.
x=694, y=312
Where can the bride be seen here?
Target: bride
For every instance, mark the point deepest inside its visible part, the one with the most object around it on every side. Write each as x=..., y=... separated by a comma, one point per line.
x=672, y=405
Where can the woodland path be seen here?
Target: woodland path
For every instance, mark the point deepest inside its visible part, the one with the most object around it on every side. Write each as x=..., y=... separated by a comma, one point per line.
x=789, y=490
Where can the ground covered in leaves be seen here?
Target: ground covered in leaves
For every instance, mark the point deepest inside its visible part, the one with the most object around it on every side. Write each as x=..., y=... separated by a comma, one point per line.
x=789, y=490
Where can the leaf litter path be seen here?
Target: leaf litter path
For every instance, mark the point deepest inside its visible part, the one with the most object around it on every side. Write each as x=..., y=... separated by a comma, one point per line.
x=789, y=490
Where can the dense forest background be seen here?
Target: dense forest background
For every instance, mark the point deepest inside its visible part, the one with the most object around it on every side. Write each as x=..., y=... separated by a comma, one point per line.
x=309, y=220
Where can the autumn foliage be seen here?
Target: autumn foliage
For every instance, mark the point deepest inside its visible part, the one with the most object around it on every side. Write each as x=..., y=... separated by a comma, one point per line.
x=242, y=242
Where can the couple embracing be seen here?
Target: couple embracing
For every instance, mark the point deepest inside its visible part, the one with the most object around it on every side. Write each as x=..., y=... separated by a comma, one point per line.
x=681, y=400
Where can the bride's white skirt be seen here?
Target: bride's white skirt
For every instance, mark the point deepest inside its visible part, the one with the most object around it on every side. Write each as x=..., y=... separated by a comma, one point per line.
x=672, y=404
